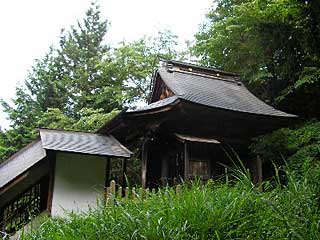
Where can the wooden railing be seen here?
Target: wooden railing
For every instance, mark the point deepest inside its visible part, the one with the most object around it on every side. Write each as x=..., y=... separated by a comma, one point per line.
x=116, y=192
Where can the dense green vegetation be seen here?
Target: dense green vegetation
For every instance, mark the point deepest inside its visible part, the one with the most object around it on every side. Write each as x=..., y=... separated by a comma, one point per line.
x=214, y=211
x=83, y=81
x=273, y=44
x=299, y=147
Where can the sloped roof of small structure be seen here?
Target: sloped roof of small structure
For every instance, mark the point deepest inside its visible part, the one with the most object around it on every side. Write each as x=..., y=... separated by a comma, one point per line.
x=82, y=142
x=66, y=141
x=212, y=88
x=21, y=161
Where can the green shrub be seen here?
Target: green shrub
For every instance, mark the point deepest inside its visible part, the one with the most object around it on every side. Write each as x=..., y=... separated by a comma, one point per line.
x=298, y=147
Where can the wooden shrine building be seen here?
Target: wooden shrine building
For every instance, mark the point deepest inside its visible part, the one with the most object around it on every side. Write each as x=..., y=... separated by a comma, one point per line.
x=192, y=113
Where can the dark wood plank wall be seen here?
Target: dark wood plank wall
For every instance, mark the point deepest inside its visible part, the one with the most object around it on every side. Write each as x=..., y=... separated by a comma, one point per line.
x=167, y=160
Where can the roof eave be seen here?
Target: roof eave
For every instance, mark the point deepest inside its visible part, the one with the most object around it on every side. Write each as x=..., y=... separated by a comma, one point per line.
x=285, y=115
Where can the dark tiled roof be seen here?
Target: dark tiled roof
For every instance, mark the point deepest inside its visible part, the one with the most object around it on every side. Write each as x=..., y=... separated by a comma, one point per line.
x=155, y=105
x=215, y=91
x=81, y=142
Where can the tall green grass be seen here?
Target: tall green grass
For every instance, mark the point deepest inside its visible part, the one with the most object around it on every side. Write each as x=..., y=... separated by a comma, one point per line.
x=211, y=211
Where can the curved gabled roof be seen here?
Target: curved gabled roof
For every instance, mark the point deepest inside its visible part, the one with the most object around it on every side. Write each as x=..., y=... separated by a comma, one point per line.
x=177, y=84
x=215, y=90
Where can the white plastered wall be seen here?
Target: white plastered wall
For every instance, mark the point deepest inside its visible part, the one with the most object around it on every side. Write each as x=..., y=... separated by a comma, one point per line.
x=78, y=183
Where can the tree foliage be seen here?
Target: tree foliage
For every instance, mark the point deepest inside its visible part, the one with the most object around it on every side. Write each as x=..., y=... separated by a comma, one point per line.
x=272, y=43
x=138, y=60
x=83, y=82
x=298, y=147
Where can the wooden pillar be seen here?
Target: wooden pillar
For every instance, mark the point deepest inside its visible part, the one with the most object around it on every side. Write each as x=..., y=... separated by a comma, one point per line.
x=107, y=173
x=186, y=162
x=52, y=163
x=164, y=169
x=144, y=160
x=259, y=170
x=124, y=171
x=44, y=189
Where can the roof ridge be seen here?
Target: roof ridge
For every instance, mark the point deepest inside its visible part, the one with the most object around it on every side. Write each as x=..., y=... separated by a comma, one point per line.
x=239, y=83
x=62, y=130
x=196, y=66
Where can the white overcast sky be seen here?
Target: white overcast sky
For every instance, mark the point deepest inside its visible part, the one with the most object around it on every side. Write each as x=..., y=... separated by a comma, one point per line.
x=28, y=28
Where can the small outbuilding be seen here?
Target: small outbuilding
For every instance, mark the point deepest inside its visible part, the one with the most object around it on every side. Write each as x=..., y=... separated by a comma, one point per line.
x=60, y=171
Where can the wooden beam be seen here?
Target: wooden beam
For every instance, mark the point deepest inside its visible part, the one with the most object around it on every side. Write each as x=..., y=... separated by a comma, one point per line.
x=186, y=162
x=16, y=181
x=144, y=161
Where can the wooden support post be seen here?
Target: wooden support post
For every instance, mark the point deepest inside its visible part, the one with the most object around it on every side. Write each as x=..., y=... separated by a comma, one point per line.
x=126, y=194
x=144, y=161
x=44, y=189
x=164, y=170
x=259, y=171
x=113, y=187
x=226, y=173
x=107, y=174
x=124, y=172
x=186, y=162
x=178, y=189
x=142, y=193
x=110, y=197
x=120, y=192
x=133, y=192
x=52, y=163
x=107, y=178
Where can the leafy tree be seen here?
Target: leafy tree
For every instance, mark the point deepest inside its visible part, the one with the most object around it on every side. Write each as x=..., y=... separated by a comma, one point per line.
x=138, y=60
x=68, y=78
x=72, y=76
x=90, y=121
x=82, y=83
x=22, y=119
x=272, y=43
